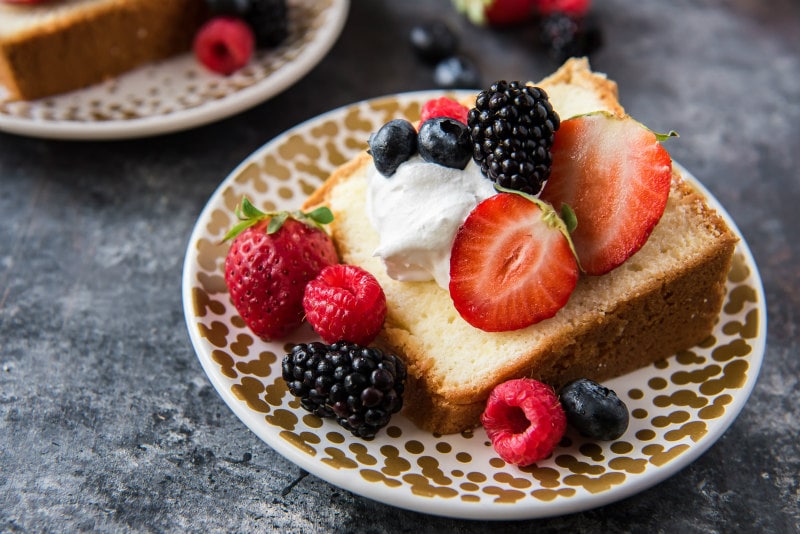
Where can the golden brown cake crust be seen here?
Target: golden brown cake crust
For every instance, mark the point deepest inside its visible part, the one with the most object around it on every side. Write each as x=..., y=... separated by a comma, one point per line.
x=576, y=72
x=666, y=313
x=96, y=42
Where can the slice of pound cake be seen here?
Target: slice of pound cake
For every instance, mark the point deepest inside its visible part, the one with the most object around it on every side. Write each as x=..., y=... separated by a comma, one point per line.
x=662, y=299
x=55, y=47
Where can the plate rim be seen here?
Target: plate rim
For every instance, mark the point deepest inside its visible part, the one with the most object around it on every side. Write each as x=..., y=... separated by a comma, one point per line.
x=185, y=119
x=486, y=511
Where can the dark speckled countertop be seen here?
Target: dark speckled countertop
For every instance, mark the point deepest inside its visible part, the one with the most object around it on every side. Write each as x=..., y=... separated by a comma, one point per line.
x=107, y=421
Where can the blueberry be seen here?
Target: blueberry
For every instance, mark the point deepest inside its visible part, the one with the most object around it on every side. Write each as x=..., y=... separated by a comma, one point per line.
x=445, y=141
x=456, y=72
x=594, y=410
x=433, y=41
x=392, y=144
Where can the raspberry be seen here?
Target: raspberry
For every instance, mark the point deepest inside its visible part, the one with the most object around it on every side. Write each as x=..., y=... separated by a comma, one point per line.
x=224, y=44
x=345, y=302
x=443, y=107
x=524, y=420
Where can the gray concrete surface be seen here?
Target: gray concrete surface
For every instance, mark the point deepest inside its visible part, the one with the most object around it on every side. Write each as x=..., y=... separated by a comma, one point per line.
x=107, y=421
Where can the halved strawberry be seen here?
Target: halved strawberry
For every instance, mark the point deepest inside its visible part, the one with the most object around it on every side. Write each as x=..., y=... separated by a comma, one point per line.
x=615, y=175
x=512, y=263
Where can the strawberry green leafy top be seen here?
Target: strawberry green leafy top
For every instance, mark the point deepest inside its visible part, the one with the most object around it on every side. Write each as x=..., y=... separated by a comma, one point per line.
x=249, y=215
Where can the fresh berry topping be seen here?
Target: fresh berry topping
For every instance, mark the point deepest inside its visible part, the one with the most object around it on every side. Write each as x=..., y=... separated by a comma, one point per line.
x=345, y=302
x=615, y=175
x=565, y=36
x=268, y=19
x=445, y=141
x=496, y=12
x=456, y=72
x=594, y=410
x=512, y=127
x=392, y=144
x=224, y=44
x=524, y=421
x=433, y=41
x=511, y=264
x=360, y=387
x=271, y=259
x=443, y=107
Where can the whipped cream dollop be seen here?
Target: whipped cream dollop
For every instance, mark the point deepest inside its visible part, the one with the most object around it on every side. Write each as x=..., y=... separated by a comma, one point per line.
x=417, y=212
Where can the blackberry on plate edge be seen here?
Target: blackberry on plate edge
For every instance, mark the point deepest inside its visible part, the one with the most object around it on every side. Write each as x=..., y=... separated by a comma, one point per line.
x=513, y=126
x=361, y=387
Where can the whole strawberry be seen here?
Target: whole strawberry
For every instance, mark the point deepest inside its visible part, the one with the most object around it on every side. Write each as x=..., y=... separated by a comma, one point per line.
x=508, y=12
x=272, y=258
x=496, y=12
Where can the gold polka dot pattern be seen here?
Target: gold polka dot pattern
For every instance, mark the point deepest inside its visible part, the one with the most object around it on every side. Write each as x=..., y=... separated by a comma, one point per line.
x=677, y=404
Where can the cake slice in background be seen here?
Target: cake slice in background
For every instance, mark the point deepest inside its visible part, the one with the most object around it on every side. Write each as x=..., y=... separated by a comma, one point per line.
x=60, y=46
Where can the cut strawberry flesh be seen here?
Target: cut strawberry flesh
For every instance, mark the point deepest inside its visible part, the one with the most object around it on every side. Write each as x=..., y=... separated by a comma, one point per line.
x=509, y=268
x=615, y=175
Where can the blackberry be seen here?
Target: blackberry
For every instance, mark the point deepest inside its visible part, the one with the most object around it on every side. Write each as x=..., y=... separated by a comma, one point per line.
x=269, y=20
x=565, y=36
x=512, y=127
x=361, y=387
x=594, y=410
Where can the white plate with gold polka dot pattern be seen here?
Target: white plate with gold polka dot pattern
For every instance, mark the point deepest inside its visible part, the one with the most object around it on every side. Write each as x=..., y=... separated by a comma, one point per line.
x=679, y=406
x=179, y=93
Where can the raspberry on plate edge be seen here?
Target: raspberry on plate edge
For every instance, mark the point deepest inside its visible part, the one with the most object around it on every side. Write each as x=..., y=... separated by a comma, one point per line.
x=524, y=421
